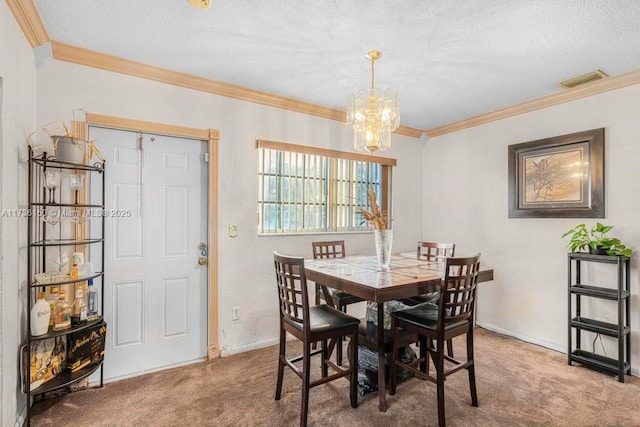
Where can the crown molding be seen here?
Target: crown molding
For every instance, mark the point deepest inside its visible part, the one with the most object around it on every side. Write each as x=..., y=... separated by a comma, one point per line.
x=90, y=58
x=403, y=130
x=601, y=86
x=27, y=17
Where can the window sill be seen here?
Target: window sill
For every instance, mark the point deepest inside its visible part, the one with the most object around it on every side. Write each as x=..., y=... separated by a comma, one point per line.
x=313, y=233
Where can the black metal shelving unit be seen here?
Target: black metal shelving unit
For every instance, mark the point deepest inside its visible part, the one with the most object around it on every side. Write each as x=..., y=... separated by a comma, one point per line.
x=82, y=236
x=578, y=322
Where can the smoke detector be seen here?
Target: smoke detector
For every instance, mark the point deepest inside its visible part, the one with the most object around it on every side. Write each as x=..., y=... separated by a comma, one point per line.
x=584, y=79
x=200, y=4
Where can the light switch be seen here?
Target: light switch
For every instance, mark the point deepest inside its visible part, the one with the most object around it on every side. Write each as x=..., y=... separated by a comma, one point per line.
x=233, y=230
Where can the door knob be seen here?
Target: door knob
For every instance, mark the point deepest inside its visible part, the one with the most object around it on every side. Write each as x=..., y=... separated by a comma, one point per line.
x=204, y=254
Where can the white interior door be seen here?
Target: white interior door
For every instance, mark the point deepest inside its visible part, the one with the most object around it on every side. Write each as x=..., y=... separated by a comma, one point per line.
x=155, y=301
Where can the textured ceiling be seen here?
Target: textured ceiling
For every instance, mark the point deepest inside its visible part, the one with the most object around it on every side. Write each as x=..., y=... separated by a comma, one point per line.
x=449, y=60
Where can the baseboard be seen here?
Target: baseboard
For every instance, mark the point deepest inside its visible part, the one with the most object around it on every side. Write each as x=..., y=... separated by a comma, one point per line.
x=526, y=338
x=253, y=346
x=22, y=417
x=522, y=337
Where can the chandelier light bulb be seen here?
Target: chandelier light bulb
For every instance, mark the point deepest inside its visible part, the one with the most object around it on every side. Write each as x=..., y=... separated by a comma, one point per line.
x=369, y=136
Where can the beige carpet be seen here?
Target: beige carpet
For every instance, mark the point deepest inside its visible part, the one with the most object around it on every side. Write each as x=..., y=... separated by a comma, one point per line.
x=519, y=384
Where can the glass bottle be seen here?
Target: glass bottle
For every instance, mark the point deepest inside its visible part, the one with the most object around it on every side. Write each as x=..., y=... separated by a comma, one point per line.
x=78, y=259
x=74, y=271
x=79, y=314
x=62, y=318
x=40, y=315
x=53, y=301
x=92, y=300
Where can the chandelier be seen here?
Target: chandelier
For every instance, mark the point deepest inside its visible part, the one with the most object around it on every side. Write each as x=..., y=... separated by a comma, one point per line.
x=373, y=114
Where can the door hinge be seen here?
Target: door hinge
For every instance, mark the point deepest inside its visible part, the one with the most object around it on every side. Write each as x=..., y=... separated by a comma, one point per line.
x=206, y=157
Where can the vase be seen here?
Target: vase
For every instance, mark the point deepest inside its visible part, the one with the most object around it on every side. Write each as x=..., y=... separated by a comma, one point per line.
x=70, y=149
x=384, y=241
x=597, y=251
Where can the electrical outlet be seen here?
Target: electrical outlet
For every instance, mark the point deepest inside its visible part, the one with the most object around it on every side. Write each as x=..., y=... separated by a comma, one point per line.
x=233, y=230
x=235, y=313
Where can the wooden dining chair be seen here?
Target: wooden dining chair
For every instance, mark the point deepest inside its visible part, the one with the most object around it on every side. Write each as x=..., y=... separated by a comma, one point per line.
x=320, y=323
x=333, y=249
x=435, y=324
x=435, y=252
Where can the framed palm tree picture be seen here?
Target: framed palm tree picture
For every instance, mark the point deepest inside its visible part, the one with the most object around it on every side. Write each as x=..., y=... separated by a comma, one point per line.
x=558, y=177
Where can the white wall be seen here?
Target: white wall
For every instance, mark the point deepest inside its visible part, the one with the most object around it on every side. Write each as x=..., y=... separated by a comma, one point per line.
x=465, y=200
x=246, y=277
x=17, y=71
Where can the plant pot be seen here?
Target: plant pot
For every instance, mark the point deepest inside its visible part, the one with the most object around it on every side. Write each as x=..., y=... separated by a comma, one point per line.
x=384, y=242
x=70, y=149
x=597, y=251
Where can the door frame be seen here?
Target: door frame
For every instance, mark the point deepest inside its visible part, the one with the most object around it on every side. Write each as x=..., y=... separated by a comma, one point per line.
x=212, y=136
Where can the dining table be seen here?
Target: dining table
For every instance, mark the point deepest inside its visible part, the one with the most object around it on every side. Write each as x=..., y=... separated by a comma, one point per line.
x=364, y=277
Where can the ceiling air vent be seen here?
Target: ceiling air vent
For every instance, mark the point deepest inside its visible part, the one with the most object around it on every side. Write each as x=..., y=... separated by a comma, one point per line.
x=583, y=79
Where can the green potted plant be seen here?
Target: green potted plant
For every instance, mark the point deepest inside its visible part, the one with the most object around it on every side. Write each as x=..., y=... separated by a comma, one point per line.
x=595, y=240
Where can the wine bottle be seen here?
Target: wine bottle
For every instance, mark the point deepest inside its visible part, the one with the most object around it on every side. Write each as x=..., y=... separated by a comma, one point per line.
x=79, y=313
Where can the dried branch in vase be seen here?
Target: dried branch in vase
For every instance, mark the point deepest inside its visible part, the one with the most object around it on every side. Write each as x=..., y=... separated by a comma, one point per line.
x=375, y=217
x=57, y=130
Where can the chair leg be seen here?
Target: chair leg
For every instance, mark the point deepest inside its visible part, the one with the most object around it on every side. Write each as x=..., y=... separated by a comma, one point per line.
x=325, y=356
x=471, y=369
x=424, y=364
x=393, y=371
x=439, y=362
x=281, y=356
x=353, y=364
x=318, y=290
x=339, y=340
x=306, y=367
x=450, y=348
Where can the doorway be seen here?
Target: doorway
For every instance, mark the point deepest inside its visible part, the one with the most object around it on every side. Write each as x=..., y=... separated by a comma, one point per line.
x=155, y=300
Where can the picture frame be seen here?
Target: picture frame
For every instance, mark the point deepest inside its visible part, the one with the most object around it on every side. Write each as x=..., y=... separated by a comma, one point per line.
x=558, y=177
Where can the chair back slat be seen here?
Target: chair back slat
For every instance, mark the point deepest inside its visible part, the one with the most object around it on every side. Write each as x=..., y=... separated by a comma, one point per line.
x=459, y=283
x=432, y=251
x=329, y=249
x=292, y=288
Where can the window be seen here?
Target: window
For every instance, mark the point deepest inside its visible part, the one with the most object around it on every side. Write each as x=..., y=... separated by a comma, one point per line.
x=304, y=189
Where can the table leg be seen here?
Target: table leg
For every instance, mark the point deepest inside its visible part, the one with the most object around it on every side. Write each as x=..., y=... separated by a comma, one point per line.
x=382, y=390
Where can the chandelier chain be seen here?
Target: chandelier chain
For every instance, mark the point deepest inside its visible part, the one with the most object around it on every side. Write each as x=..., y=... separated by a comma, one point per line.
x=372, y=72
